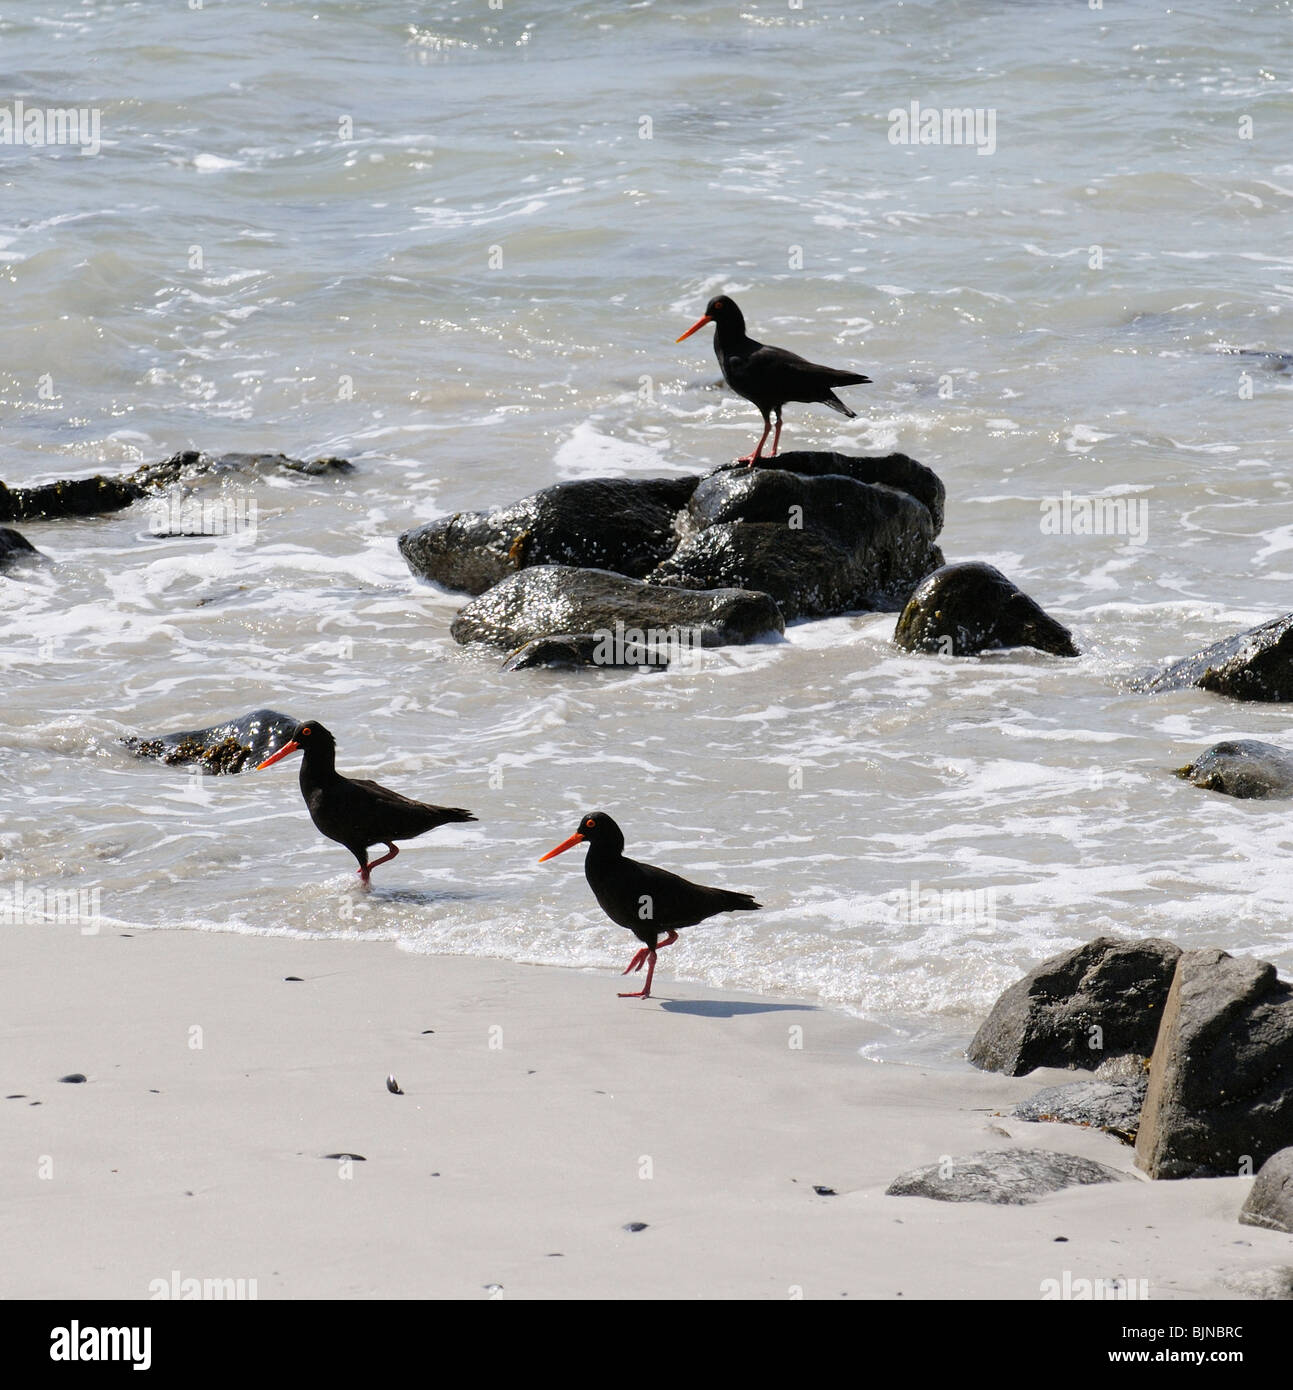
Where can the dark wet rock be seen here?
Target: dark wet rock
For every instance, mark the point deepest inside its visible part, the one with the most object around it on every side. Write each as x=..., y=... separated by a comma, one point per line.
x=1003, y=1177
x=635, y=1226
x=358, y=1158
x=1244, y=768
x=1253, y=665
x=556, y=599
x=1270, y=1202
x=1113, y=1106
x=94, y=495
x=1101, y=1000
x=620, y=524
x=73, y=1078
x=569, y=650
x=819, y=545
x=1220, y=1097
x=971, y=607
x=393, y=1086
x=893, y=470
x=236, y=746
x=824, y=1191
x=15, y=549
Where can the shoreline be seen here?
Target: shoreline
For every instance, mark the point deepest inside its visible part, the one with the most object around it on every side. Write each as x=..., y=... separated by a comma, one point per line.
x=541, y=1117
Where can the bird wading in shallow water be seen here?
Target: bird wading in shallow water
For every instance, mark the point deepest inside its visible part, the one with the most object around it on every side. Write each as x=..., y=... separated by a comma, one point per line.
x=768, y=376
x=650, y=902
x=356, y=813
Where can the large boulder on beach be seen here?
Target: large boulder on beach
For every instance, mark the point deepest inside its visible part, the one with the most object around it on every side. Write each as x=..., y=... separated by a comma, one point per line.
x=971, y=607
x=1220, y=1099
x=1002, y=1177
x=1244, y=768
x=621, y=524
x=15, y=549
x=556, y=600
x=1252, y=665
x=1270, y=1200
x=1102, y=1000
x=893, y=470
x=819, y=545
x=94, y=495
x=234, y=746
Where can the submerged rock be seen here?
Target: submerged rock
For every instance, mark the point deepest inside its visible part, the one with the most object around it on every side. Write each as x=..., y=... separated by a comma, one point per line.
x=1270, y=1202
x=620, y=524
x=818, y=544
x=1101, y=1000
x=1003, y=1177
x=1244, y=768
x=94, y=495
x=16, y=548
x=1252, y=665
x=971, y=607
x=558, y=600
x=235, y=746
x=566, y=651
x=1220, y=1096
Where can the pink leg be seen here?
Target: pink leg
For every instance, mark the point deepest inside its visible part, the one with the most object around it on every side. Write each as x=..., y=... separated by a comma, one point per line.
x=637, y=962
x=753, y=458
x=645, y=991
x=368, y=868
x=776, y=437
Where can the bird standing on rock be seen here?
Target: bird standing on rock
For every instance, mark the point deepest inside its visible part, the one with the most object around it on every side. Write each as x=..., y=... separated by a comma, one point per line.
x=768, y=376
x=650, y=902
x=356, y=813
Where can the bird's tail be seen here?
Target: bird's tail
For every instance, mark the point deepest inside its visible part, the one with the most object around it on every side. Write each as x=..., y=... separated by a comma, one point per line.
x=449, y=814
x=832, y=400
x=739, y=902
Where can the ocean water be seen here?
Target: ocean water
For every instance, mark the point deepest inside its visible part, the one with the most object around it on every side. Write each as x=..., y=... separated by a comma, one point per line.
x=454, y=242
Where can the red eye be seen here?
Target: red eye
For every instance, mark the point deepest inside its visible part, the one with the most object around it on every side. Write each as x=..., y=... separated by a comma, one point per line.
x=589, y=823
x=305, y=733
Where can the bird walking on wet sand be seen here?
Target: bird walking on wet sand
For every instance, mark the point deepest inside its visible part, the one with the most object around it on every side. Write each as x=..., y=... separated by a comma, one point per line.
x=650, y=902
x=768, y=376
x=356, y=813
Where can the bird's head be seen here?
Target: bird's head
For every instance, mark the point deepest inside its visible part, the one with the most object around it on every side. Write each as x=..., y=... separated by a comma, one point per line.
x=598, y=829
x=309, y=735
x=721, y=311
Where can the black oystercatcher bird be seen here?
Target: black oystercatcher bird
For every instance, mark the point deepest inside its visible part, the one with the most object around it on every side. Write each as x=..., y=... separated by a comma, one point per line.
x=650, y=902
x=768, y=376
x=354, y=813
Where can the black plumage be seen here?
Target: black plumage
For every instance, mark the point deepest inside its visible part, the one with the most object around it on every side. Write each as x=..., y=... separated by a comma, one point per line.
x=650, y=902
x=769, y=376
x=355, y=812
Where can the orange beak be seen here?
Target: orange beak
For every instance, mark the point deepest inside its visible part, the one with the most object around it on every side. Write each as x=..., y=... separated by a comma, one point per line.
x=563, y=847
x=699, y=324
x=287, y=748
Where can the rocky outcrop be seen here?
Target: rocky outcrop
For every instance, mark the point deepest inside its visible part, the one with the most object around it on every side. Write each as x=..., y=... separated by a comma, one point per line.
x=1244, y=768
x=893, y=470
x=1102, y=1000
x=15, y=549
x=235, y=746
x=818, y=544
x=1270, y=1202
x=1003, y=1177
x=621, y=524
x=1252, y=665
x=91, y=496
x=556, y=600
x=971, y=607
x=1220, y=1097
x=1113, y=1106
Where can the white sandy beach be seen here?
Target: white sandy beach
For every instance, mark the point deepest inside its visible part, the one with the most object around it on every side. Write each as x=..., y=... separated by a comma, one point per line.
x=540, y=1117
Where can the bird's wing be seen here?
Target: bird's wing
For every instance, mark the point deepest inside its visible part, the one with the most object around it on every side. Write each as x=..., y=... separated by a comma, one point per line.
x=795, y=374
